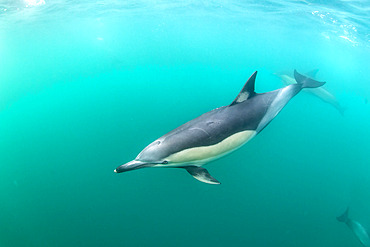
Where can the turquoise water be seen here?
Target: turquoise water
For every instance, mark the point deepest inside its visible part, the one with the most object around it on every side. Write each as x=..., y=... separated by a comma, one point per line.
x=86, y=85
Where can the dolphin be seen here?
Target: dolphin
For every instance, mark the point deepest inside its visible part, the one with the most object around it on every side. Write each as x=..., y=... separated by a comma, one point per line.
x=218, y=132
x=358, y=230
x=322, y=93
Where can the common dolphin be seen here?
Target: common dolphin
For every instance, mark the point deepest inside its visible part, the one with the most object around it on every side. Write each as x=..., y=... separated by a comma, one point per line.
x=322, y=93
x=218, y=132
x=358, y=230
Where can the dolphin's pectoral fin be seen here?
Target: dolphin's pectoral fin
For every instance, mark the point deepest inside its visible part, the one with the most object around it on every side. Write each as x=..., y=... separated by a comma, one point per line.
x=201, y=174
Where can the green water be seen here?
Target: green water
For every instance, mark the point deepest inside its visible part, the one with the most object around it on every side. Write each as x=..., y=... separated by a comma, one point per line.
x=85, y=88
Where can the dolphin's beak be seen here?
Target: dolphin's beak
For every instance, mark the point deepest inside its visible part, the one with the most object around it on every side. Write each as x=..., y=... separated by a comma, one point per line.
x=132, y=165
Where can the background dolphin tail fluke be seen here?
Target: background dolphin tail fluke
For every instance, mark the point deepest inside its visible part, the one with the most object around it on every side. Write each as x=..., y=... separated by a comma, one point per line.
x=344, y=216
x=306, y=82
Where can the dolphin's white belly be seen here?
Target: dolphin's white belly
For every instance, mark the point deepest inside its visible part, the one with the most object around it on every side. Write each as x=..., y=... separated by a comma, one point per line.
x=204, y=154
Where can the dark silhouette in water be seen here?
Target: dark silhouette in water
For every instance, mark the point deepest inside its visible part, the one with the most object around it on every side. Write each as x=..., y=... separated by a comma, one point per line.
x=358, y=230
x=218, y=132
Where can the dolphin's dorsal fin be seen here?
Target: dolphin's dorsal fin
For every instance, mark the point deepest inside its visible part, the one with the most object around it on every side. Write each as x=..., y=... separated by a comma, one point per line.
x=312, y=73
x=247, y=91
x=201, y=174
x=344, y=216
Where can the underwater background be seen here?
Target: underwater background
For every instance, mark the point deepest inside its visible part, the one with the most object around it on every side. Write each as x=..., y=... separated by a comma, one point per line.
x=86, y=85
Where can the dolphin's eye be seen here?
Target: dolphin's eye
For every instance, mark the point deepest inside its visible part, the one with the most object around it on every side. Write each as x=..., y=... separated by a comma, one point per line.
x=165, y=162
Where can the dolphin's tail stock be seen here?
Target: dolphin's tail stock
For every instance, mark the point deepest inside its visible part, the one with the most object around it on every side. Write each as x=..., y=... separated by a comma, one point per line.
x=344, y=216
x=306, y=82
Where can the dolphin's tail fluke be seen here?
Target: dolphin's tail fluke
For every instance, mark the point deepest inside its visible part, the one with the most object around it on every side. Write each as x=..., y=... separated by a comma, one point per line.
x=344, y=216
x=306, y=82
